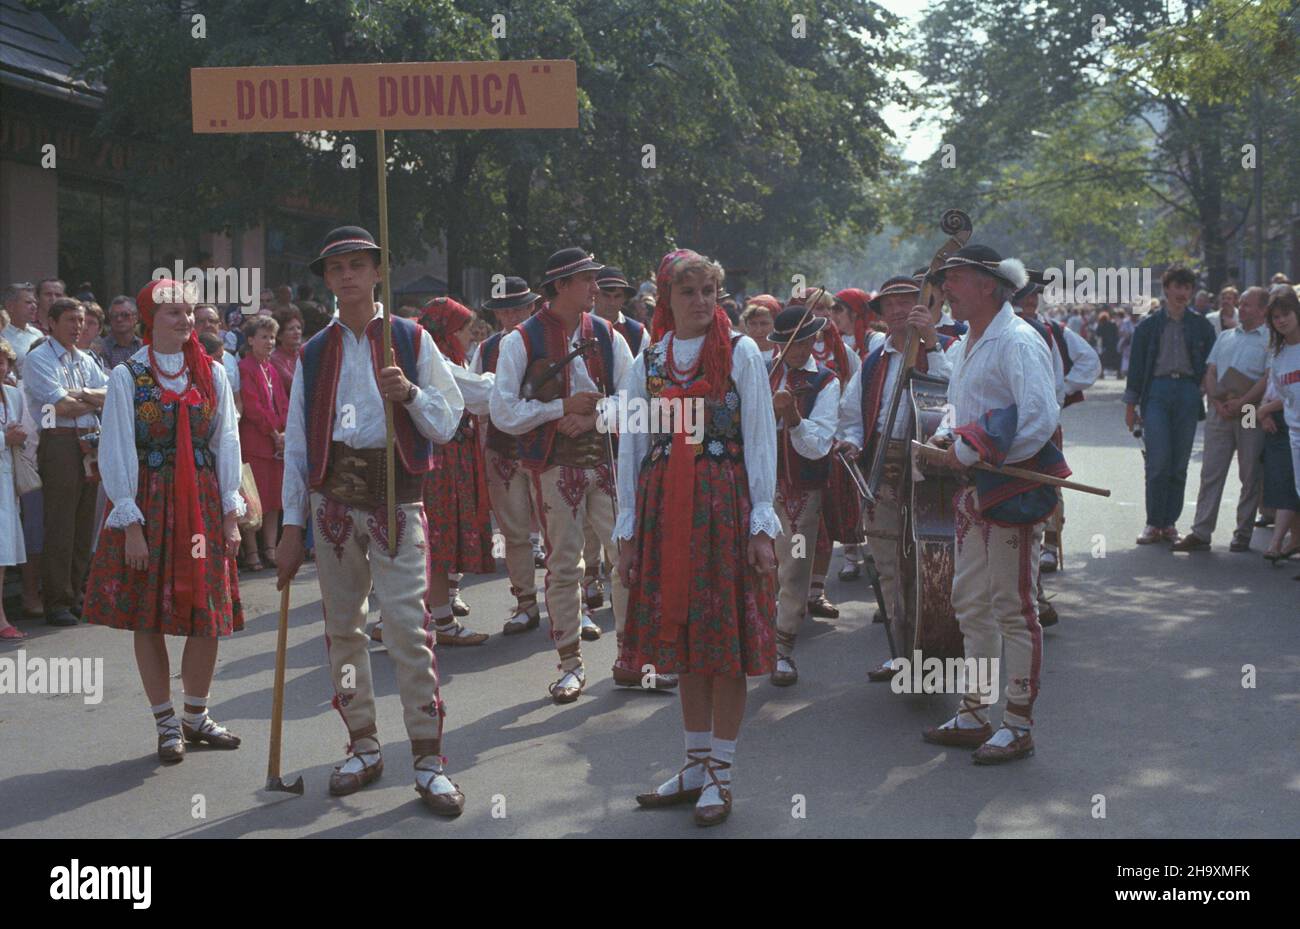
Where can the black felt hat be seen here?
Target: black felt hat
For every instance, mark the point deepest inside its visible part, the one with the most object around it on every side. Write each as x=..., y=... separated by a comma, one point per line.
x=1008, y=270
x=898, y=284
x=568, y=262
x=342, y=240
x=786, y=322
x=612, y=278
x=517, y=294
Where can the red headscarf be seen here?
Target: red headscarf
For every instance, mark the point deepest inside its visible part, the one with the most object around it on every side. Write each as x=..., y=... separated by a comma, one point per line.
x=858, y=301
x=766, y=301
x=444, y=317
x=715, y=354
x=155, y=294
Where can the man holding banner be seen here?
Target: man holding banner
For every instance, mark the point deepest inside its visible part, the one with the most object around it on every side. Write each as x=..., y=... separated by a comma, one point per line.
x=335, y=460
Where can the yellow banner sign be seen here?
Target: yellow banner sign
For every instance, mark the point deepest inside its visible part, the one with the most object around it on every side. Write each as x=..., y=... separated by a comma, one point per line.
x=408, y=95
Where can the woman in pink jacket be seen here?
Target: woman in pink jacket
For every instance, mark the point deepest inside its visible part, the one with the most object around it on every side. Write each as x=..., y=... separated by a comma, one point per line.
x=261, y=432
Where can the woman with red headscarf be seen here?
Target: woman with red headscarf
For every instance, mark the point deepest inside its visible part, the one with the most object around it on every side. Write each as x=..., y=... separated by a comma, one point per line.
x=455, y=490
x=853, y=316
x=695, y=507
x=169, y=458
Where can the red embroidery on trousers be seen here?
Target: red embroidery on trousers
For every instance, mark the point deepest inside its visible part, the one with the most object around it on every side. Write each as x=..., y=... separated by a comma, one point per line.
x=572, y=486
x=334, y=521
x=377, y=524
x=795, y=503
x=1026, y=588
x=542, y=509
x=504, y=467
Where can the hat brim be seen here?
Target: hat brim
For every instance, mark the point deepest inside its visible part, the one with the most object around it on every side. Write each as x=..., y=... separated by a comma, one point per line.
x=318, y=266
x=874, y=303
x=588, y=265
x=809, y=329
x=511, y=303
x=937, y=275
x=615, y=285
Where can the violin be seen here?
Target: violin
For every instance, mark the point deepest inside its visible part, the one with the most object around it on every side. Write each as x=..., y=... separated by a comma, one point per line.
x=542, y=381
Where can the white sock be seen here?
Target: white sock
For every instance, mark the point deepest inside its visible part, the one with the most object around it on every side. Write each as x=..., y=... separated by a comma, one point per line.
x=1006, y=735
x=164, y=718
x=817, y=588
x=697, y=749
x=195, y=720
x=722, y=751
x=967, y=720
x=441, y=614
x=367, y=747
x=429, y=774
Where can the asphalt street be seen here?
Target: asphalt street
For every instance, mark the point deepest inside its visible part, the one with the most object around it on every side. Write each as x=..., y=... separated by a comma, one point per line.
x=1143, y=716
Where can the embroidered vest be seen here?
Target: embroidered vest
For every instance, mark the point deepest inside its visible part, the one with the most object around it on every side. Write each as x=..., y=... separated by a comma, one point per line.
x=500, y=442
x=634, y=332
x=875, y=368
x=809, y=473
x=544, y=337
x=722, y=436
x=155, y=424
x=322, y=360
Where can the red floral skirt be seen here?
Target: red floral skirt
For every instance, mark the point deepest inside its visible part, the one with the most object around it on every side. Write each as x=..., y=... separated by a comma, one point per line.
x=729, y=628
x=460, y=531
x=142, y=600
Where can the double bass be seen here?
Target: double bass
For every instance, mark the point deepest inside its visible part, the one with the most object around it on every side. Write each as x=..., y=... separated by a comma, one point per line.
x=926, y=622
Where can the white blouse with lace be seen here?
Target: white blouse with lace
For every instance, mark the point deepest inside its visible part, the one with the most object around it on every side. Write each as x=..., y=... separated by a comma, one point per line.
x=119, y=464
x=757, y=429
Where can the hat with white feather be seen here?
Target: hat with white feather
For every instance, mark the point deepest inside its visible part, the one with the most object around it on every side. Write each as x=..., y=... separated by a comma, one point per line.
x=1008, y=270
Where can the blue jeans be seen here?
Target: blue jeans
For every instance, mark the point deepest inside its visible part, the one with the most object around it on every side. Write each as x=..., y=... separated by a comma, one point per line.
x=1169, y=420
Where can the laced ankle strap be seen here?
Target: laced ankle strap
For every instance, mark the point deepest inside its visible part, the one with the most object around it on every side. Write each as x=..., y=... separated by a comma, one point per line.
x=170, y=729
x=711, y=767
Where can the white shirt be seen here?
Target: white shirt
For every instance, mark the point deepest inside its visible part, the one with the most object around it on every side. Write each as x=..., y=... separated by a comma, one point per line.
x=119, y=462
x=516, y=416
x=1216, y=320
x=359, y=411
x=850, y=414
x=757, y=430
x=475, y=387
x=1284, y=382
x=1008, y=364
x=813, y=436
x=50, y=372
x=1247, y=351
x=231, y=364
x=20, y=340
x=1085, y=364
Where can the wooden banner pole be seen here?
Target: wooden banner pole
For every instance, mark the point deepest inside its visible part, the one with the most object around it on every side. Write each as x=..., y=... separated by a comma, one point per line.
x=390, y=460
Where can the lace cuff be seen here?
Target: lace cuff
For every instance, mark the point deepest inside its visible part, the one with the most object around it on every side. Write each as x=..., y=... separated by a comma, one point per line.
x=233, y=502
x=764, y=519
x=625, y=525
x=123, y=515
